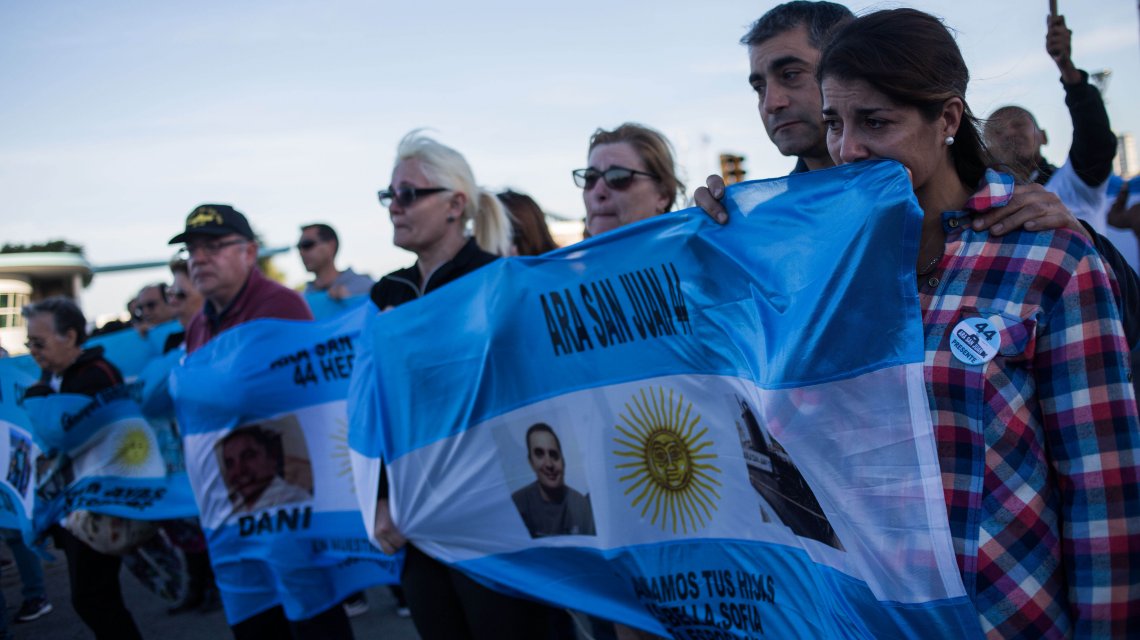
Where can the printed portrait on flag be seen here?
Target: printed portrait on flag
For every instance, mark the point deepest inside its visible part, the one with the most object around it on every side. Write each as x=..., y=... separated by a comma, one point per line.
x=265, y=465
x=269, y=463
x=20, y=461
x=548, y=504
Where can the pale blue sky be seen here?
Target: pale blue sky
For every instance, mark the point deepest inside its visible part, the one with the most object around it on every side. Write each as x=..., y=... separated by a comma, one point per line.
x=119, y=117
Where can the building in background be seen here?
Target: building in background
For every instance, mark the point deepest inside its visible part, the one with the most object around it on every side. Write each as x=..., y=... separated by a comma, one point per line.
x=28, y=275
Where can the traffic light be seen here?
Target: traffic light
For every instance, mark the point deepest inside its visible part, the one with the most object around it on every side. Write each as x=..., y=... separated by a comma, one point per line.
x=731, y=168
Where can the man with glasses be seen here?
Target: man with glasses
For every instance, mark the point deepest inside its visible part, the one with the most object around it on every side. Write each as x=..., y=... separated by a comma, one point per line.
x=151, y=307
x=184, y=300
x=318, y=247
x=221, y=254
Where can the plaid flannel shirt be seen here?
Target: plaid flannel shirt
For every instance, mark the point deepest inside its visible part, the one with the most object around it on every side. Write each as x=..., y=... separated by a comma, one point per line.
x=1039, y=447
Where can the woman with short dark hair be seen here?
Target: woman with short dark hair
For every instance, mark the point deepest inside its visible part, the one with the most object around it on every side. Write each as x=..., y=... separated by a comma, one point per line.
x=56, y=333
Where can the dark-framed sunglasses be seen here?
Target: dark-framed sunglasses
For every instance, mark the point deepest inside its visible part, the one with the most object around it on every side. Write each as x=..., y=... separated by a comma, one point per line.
x=406, y=195
x=617, y=178
x=306, y=244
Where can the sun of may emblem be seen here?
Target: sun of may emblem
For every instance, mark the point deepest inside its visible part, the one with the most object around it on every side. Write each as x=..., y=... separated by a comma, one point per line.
x=133, y=448
x=667, y=469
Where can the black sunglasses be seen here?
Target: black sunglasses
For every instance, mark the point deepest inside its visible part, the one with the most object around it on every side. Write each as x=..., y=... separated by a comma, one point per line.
x=618, y=178
x=306, y=244
x=406, y=195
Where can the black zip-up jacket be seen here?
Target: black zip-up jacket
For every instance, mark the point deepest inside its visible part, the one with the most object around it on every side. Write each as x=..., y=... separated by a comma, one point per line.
x=404, y=285
x=88, y=375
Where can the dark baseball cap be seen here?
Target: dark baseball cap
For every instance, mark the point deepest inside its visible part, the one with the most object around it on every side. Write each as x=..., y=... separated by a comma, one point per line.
x=214, y=220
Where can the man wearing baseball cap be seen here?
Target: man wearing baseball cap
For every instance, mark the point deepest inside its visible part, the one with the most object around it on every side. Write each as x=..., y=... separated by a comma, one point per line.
x=221, y=253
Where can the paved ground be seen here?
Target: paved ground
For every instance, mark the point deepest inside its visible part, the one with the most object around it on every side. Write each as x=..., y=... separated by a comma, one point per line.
x=150, y=612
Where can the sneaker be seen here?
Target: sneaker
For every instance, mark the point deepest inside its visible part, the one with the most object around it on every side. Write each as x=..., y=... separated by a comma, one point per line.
x=355, y=605
x=33, y=609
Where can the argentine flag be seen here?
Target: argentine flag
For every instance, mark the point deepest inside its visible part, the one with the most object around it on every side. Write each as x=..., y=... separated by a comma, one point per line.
x=264, y=429
x=18, y=450
x=702, y=431
x=106, y=459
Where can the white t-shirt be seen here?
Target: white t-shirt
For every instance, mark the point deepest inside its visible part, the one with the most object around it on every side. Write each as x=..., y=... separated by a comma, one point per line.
x=1091, y=204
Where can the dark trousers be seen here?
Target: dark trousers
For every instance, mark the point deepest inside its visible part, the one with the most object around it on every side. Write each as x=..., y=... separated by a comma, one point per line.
x=447, y=605
x=331, y=624
x=95, y=591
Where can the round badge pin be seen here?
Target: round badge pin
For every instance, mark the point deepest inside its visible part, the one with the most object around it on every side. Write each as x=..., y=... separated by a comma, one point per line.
x=975, y=341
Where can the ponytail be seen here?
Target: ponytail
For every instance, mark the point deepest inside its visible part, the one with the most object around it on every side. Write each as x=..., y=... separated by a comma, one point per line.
x=447, y=168
x=492, y=226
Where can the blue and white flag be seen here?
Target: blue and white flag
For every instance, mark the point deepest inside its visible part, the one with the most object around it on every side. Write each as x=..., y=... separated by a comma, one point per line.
x=1123, y=239
x=158, y=407
x=18, y=450
x=16, y=375
x=324, y=307
x=702, y=431
x=264, y=425
x=105, y=459
x=17, y=488
x=131, y=352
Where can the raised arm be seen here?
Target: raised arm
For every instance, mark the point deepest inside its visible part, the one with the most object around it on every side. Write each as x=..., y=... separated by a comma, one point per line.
x=1094, y=143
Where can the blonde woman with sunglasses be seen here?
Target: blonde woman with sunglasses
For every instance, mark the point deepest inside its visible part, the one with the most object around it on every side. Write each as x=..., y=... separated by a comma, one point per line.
x=431, y=200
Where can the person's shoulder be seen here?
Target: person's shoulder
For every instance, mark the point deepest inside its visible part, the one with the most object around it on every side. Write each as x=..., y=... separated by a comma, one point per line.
x=474, y=257
x=275, y=300
x=1047, y=245
x=1035, y=268
x=574, y=496
x=356, y=283
x=91, y=373
x=394, y=288
x=522, y=496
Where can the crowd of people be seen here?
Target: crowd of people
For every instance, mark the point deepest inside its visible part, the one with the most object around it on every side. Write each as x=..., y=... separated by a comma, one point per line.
x=1038, y=450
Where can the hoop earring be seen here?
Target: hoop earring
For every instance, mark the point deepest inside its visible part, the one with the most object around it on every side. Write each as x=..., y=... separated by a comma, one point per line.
x=949, y=140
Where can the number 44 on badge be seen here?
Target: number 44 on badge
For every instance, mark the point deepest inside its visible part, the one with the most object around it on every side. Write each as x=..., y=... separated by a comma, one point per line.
x=974, y=341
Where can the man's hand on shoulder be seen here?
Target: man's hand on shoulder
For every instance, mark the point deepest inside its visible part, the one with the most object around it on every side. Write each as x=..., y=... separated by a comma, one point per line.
x=1031, y=208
